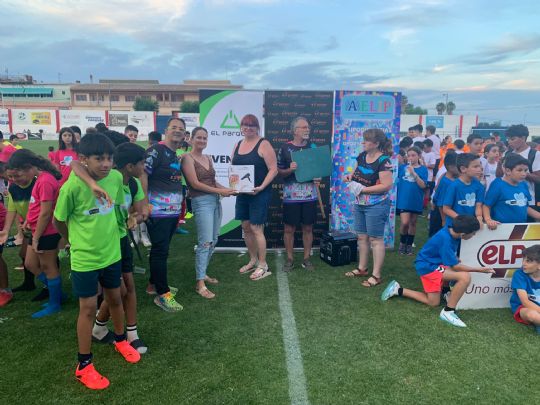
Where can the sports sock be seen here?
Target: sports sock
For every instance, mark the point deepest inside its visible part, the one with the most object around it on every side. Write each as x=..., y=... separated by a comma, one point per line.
x=84, y=360
x=100, y=330
x=132, y=333
x=28, y=283
x=55, y=298
x=43, y=278
x=447, y=308
x=403, y=239
x=119, y=338
x=410, y=240
x=400, y=291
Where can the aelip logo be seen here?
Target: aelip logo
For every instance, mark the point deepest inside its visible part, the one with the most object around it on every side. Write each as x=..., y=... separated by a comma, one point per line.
x=230, y=121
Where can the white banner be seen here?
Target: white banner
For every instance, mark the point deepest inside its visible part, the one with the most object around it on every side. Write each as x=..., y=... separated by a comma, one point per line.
x=37, y=121
x=81, y=118
x=145, y=122
x=501, y=249
x=191, y=119
x=221, y=115
x=4, y=122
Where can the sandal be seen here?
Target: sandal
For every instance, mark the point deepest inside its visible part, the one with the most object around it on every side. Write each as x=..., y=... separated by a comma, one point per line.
x=205, y=293
x=211, y=280
x=249, y=267
x=260, y=273
x=357, y=273
x=367, y=283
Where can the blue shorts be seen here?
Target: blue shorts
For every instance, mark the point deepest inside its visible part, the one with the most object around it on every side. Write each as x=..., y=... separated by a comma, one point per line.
x=371, y=219
x=85, y=283
x=253, y=208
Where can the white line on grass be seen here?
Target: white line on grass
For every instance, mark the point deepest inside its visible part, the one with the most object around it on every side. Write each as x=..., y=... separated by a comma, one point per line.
x=295, y=369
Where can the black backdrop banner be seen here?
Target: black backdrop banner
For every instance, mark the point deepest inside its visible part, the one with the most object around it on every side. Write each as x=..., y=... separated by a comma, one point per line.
x=280, y=108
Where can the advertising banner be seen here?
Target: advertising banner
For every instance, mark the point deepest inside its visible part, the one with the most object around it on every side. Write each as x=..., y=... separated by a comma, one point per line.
x=355, y=112
x=145, y=121
x=42, y=123
x=4, y=121
x=502, y=250
x=81, y=118
x=280, y=108
x=221, y=113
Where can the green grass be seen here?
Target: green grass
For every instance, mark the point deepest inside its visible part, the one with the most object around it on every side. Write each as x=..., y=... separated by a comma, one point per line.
x=230, y=350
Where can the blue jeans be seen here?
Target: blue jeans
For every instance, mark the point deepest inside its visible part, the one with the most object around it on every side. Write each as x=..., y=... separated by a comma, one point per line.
x=207, y=212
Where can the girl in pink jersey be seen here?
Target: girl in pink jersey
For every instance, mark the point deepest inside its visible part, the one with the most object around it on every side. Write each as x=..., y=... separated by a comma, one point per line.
x=66, y=153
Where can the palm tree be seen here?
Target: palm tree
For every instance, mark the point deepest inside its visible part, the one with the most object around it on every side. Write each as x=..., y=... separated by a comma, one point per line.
x=450, y=107
x=404, y=102
x=441, y=108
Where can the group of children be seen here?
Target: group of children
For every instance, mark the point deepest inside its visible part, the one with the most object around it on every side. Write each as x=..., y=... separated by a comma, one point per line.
x=460, y=207
x=58, y=208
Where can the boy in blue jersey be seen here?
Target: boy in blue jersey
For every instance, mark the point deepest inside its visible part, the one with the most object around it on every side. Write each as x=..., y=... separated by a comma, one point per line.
x=412, y=180
x=525, y=299
x=437, y=218
x=507, y=200
x=466, y=194
x=437, y=262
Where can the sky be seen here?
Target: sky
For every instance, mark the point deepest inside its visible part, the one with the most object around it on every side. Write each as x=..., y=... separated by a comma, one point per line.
x=484, y=54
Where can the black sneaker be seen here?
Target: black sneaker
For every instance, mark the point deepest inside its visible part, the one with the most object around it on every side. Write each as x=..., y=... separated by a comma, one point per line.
x=288, y=266
x=306, y=264
x=24, y=287
x=42, y=296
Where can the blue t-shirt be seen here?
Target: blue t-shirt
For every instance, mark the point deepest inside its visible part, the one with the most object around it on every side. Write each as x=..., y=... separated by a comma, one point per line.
x=410, y=196
x=508, y=203
x=462, y=198
x=440, y=191
x=441, y=248
x=522, y=281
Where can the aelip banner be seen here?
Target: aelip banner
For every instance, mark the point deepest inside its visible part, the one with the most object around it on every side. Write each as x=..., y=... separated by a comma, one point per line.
x=355, y=112
x=220, y=113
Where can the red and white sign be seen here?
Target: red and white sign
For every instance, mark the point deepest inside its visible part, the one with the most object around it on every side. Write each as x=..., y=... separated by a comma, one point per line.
x=502, y=250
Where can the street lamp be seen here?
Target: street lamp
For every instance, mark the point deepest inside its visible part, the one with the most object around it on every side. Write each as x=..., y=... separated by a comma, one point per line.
x=446, y=103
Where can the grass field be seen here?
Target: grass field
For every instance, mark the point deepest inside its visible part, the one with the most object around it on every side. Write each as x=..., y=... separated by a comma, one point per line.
x=354, y=348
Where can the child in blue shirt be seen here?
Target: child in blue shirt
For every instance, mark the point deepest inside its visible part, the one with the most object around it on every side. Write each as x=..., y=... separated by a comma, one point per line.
x=525, y=299
x=412, y=180
x=507, y=200
x=466, y=194
x=436, y=217
x=437, y=262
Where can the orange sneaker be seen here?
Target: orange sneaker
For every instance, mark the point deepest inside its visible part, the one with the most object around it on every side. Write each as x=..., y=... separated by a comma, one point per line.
x=89, y=377
x=127, y=351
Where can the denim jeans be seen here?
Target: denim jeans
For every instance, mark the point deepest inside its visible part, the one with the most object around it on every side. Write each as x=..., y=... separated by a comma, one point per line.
x=371, y=219
x=161, y=231
x=207, y=212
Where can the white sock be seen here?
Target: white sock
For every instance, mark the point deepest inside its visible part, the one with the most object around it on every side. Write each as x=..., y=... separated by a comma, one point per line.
x=132, y=333
x=100, y=330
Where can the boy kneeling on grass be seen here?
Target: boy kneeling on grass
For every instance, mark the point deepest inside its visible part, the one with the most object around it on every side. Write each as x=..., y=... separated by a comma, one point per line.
x=437, y=262
x=525, y=300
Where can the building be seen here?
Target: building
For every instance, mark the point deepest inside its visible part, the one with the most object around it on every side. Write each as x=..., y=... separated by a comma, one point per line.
x=119, y=95
x=24, y=92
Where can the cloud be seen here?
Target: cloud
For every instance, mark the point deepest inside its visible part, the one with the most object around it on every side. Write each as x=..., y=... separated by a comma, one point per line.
x=507, y=47
x=414, y=13
x=399, y=34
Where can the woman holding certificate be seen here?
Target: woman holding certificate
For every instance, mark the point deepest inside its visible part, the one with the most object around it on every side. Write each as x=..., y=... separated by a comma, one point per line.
x=371, y=183
x=257, y=156
x=204, y=192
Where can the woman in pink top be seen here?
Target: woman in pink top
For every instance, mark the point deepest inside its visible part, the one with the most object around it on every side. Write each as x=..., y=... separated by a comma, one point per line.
x=66, y=153
x=41, y=257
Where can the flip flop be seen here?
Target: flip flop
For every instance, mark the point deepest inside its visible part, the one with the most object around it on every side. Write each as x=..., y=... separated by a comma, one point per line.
x=357, y=273
x=205, y=293
x=211, y=280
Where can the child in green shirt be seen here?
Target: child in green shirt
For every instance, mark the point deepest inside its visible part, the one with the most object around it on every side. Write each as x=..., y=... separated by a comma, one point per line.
x=90, y=225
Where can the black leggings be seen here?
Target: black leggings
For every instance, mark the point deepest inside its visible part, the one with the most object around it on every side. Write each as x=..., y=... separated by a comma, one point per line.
x=161, y=231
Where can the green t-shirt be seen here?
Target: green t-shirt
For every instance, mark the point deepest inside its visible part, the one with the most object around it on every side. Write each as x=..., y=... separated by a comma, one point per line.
x=92, y=226
x=123, y=209
x=180, y=152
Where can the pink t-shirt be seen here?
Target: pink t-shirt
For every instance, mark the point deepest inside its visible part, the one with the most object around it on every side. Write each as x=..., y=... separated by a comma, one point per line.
x=6, y=153
x=63, y=158
x=45, y=189
x=51, y=156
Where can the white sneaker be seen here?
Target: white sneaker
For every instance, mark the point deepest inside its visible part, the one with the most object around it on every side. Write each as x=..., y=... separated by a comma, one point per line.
x=136, y=237
x=452, y=318
x=391, y=290
x=145, y=239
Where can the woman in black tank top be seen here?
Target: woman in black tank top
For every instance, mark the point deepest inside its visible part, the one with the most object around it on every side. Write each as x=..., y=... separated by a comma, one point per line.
x=252, y=209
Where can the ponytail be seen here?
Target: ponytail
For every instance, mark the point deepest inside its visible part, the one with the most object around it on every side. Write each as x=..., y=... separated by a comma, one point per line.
x=376, y=135
x=24, y=159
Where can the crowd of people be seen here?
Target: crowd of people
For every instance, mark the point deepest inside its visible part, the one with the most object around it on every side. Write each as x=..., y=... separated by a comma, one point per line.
x=103, y=183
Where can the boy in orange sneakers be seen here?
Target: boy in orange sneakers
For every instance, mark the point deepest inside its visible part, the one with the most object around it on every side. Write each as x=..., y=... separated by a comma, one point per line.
x=90, y=225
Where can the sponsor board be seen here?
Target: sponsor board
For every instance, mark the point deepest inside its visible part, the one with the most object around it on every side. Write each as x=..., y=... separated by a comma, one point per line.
x=502, y=250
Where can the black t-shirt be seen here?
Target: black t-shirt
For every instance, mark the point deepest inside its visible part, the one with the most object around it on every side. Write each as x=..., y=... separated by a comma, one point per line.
x=366, y=173
x=163, y=169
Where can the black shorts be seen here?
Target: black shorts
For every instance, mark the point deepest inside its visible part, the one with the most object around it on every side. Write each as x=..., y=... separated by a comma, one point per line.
x=127, y=255
x=304, y=213
x=85, y=283
x=398, y=211
x=48, y=242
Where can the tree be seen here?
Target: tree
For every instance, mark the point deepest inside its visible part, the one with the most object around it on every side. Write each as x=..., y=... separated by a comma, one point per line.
x=145, y=104
x=450, y=107
x=189, y=107
x=408, y=108
x=404, y=102
x=441, y=108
